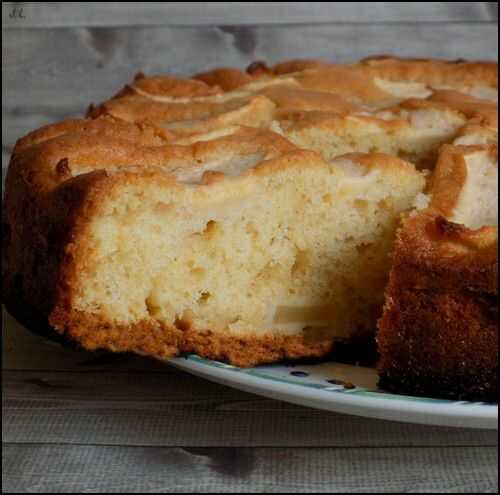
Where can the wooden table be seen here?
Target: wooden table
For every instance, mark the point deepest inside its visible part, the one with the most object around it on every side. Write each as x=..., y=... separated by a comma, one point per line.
x=81, y=422
x=76, y=421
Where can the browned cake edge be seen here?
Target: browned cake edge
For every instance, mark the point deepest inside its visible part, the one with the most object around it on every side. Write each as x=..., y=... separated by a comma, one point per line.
x=162, y=342
x=438, y=336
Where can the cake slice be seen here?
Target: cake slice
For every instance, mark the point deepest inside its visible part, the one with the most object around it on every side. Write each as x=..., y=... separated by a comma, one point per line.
x=439, y=332
x=242, y=247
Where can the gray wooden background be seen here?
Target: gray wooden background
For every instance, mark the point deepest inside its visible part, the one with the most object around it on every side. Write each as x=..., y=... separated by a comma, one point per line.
x=77, y=422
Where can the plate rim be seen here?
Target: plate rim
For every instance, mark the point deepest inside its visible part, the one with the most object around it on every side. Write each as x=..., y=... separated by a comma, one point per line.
x=378, y=405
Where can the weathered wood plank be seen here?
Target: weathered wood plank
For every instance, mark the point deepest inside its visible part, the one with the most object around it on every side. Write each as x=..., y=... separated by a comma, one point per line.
x=56, y=469
x=105, y=408
x=64, y=14
x=43, y=405
x=51, y=74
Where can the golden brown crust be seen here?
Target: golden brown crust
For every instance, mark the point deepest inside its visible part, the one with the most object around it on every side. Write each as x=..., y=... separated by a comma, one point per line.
x=438, y=254
x=429, y=71
x=152, y=338
x=155, y=339
x=433, y=72
x=107, y=143
x=298, y=65
x=171, y=86
x=254, y=98
x=299, y=99
x=225, y=78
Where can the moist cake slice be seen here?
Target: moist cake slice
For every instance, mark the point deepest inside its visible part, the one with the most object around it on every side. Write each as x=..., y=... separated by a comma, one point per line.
x=242, y=247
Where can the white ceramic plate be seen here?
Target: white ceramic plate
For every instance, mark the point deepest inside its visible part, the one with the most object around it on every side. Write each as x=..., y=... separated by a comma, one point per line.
x=323, y=386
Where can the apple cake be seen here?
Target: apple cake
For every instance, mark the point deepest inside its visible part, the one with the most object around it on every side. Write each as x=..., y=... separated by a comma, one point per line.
x=267, y=214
